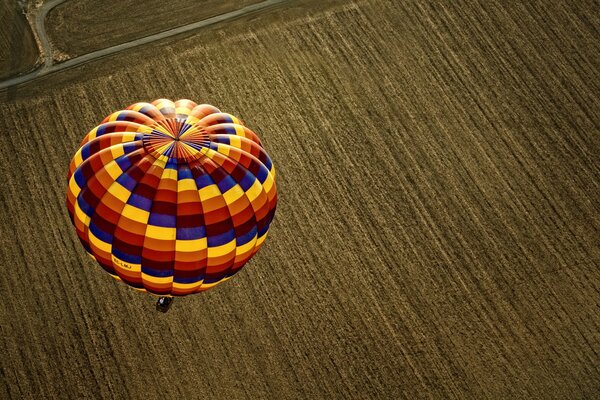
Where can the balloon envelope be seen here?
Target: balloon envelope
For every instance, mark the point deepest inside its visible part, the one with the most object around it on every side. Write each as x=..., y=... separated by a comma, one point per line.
x=171, y=197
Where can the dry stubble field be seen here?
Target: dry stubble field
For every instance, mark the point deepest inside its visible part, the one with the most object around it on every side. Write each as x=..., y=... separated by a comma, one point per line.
x=80, y=27
x=18, y=51
x=437, y=230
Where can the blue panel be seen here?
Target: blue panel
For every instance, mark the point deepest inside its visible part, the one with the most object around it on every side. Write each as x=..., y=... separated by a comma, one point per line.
x=85, y=207
x=247, y=181
x=100, y=234
x=157, y=272
x=262, y=174
x=168, y=152
x=245, y=238
x=123, y=162
x=172, y=163
x=127, y=181
x=224, y=140
x=219, y=240
x=79, y=178
x=203, y=181
x=129, y=147
x=184, y=172
x=192, y=279
x=226, y=183
x=85, y=151
x=191, y=233
x=127, y=257
x=168, y=221
x=101, y=130
x=140, y=202
x=213, y=280
x=263, y=230
x=268, y=163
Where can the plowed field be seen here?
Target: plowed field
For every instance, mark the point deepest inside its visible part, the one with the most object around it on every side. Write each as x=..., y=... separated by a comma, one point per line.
x=436, y=233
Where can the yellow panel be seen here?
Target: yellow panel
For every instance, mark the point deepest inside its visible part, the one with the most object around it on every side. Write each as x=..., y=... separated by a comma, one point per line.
x=233, y=194
x=186, y=286
x=78, y=158
x=210, y=153
x=117, y=150
x=234, y=119
x=182, y=110
x=268, y=183
x=74, y=187
x=99, y=243
x=156, y=279
x=261, y=239
x=169, y=173
x=92, y=134
x=191, y=119
x=239, y=130
x=138, y=106
x=81, y=216
x=113, y=169
x=144, y=129
x=117, y=190
x=117, y=262
x=135, y=214
x=254, y=190
x=209, y=192
x=219, y=251
x=246, y=247
x=128, y=136
x=235, y=141
x=223, y=149
x=161, y=232
x=162, y=149
x=191, y=245
x=186, y=184
x=209, y=285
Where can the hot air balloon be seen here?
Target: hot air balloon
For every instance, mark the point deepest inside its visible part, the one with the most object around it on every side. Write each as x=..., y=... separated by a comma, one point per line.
x=171, y=198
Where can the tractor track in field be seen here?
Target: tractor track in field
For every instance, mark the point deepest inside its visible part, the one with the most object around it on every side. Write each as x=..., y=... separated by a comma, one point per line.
x=48, y=66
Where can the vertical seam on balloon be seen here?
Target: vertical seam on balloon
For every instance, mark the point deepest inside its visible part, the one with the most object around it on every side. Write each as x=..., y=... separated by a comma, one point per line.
x=177, y=220
x=208, y=160
x=148, y=223
x=244, y=194
x=147, y=157
x=87, y=230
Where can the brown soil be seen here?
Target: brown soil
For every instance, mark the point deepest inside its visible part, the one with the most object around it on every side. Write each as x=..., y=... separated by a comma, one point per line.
x=437, y=230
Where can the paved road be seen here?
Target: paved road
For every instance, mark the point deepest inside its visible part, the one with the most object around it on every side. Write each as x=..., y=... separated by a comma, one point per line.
x=48, y=67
